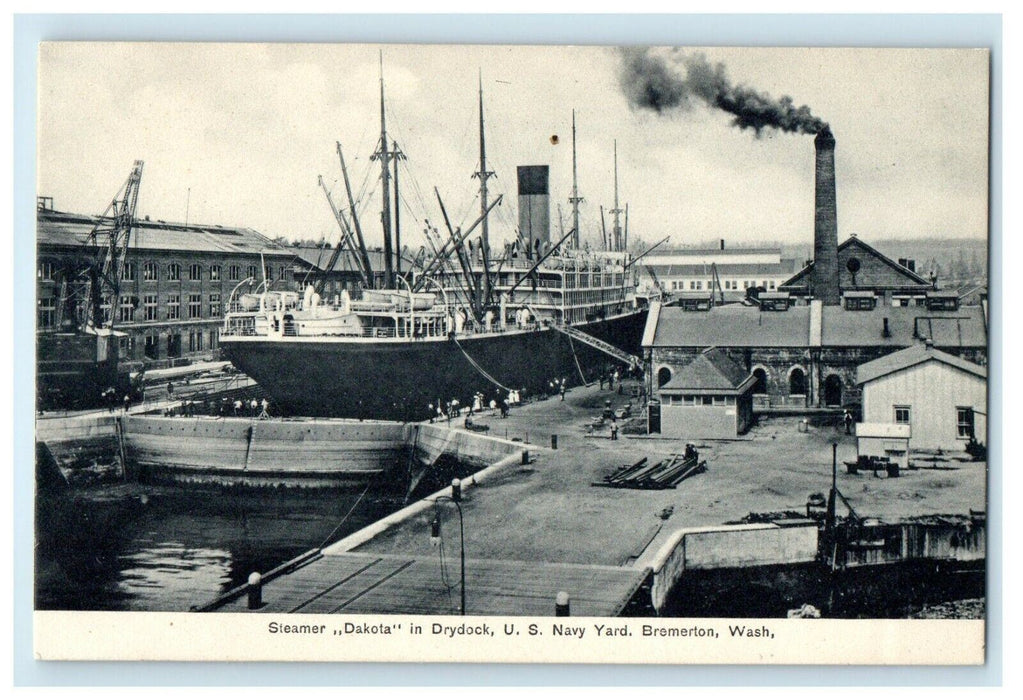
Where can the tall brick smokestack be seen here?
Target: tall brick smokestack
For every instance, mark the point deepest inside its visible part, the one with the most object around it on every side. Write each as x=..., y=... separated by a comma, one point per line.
x=824, y=280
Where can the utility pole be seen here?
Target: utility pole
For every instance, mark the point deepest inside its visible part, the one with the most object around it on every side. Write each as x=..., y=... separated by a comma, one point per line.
x=575, y=198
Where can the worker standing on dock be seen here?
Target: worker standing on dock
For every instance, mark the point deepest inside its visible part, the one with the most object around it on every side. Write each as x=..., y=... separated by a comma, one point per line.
x=614, y=429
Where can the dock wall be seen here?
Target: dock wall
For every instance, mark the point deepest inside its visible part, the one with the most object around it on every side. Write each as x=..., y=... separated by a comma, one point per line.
x=300, y=452
x=251, y=451
x=730, y=546
x=477, y=449
x=75, y=428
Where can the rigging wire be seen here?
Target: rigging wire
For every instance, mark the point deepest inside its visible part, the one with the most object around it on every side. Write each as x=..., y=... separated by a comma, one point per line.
x=350, y=511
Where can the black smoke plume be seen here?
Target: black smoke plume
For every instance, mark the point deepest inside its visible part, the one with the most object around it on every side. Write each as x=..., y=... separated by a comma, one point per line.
x=679, y=81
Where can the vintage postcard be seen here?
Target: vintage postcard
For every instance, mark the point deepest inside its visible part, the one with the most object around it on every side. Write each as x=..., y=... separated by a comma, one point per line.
x=592, y=354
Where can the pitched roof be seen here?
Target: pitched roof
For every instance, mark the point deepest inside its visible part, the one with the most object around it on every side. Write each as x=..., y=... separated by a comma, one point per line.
x=738, y=325
x=733, y=325
x=710, y=370
x=910, y=357
x=785, y=267
x=63, y=229
x=913, y=278
x=907, y=325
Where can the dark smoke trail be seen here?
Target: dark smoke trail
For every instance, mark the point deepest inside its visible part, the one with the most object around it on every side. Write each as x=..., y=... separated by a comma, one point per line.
x=654, y=81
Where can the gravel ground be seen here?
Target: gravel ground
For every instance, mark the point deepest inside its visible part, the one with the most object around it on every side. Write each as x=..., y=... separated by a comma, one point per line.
x=550, y=511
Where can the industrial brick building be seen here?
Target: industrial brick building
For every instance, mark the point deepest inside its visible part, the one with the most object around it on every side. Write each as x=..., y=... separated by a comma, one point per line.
x=805, y=356
x=177, y=281
x=863, y=270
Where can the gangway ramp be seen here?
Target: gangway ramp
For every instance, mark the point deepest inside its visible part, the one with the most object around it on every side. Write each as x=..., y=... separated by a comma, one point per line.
x=604, y=347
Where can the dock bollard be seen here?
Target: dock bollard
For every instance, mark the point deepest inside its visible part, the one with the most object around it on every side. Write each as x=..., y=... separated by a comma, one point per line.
x=561, y=605
x=554, y=442
x=255, y=591
x=456, y=490
x=525, y=456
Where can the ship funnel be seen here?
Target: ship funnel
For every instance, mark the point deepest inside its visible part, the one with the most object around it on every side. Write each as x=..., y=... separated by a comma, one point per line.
x=535, y=205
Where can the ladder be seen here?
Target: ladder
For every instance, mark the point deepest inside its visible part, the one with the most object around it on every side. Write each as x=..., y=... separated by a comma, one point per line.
x=606, y=348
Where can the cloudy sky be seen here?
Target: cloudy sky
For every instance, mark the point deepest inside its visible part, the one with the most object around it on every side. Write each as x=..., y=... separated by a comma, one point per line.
x=239, y=133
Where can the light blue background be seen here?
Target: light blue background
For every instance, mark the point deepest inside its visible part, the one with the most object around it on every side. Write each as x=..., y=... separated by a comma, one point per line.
x=741, y=30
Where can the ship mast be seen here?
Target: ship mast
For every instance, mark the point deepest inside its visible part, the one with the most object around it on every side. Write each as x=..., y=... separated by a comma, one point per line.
x=483, y=175
x=384, y=156
x=617, y=233
x=575, y=198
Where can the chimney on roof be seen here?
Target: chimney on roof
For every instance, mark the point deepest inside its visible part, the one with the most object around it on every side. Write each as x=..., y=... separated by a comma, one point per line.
x=722, y=244
x=886, y=332
x=824, y=279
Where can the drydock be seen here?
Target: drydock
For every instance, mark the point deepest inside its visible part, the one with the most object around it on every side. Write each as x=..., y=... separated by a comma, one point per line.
x=535, y=523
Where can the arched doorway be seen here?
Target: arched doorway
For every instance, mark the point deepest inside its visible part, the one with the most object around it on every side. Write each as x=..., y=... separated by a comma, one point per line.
x=663, y=376
x=833, y=390
x=797, y=382
x=760, y=387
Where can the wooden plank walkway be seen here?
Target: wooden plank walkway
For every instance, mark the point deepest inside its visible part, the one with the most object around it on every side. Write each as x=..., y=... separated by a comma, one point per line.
x=363, y=584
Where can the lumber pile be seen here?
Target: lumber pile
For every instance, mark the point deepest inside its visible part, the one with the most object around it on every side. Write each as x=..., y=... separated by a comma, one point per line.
x=665, y=474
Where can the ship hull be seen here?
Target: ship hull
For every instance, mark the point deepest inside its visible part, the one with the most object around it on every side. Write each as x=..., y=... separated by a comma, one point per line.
x=407, y=380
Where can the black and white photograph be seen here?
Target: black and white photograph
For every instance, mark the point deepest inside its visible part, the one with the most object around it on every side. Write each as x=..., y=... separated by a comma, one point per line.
x=418, y=352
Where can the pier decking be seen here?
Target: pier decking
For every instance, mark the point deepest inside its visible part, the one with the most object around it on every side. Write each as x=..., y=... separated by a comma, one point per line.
x=374, y=583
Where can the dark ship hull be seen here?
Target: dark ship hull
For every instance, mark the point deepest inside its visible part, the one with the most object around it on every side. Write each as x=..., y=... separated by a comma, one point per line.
x=401, y=380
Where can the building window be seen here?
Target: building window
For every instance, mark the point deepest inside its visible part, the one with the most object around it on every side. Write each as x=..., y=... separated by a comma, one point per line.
x=125, y=309
x=126, y=347
x=902, y=415
x=771, y=285
x=149, y=273
x=214, y=338
x=234, y=273
x=149, y=307
x=173, y=307
x=797, y=382
x=251, y=272
x=214, y=305
x=128, y=272
x=174, y=345
x=663, y=376
x=195, y=341
x=47, y=317
x=215, y=273
x=152, y=347
x=282, y=272
x=195, y=272
x=760, y=386
x=47, y=270
x=174, y=272
x=964, y=422
x=195, y=306
x=708, y=400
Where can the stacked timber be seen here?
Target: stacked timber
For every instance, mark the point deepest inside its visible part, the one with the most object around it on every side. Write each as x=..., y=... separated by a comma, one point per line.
x=665, y=474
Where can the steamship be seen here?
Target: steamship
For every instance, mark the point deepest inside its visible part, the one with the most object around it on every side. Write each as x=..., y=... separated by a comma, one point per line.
x=466, y=323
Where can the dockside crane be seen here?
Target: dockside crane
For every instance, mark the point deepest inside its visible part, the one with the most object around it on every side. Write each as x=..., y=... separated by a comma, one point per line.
x=101, y=265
